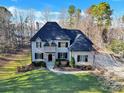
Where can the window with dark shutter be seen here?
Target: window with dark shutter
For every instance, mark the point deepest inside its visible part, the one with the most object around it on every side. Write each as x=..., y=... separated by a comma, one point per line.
x=59, y=44
x=62, y=55
x=86, y=58
x=42, y=56
x=66, y=44
x=66, y=55
x=36, y=56
x=82, y=58
x=40, y=44
x=78, y=58
x=36, y=44
x=58, y=55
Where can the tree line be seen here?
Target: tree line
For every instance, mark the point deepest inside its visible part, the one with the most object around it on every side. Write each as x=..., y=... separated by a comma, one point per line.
x=96, y=22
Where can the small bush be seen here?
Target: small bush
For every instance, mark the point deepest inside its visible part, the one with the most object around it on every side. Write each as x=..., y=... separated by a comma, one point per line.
x=57, y=63
x=32, y=66
x=25, y=68
x=72, y=62
x=61, y=60
x=43, y=64
x=61, y=63
x=85, y=67
x=117, y=46
x=39, y=64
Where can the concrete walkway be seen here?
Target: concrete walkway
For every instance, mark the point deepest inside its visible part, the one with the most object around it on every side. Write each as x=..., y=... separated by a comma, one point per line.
x=50, y=66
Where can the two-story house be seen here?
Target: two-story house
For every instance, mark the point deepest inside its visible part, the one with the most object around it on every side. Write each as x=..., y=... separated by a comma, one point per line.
x=52, y=42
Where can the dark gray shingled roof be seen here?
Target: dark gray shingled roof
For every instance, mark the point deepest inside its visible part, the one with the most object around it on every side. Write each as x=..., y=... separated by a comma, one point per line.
x=80, y=44
x=72, y=33
x=52, y=31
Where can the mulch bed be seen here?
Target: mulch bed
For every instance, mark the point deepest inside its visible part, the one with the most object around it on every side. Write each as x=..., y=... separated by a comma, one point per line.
x=67, y=69
x=77, y=68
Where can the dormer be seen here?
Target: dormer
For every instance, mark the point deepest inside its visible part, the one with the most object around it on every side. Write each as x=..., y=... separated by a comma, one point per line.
x=46, y=44
x=53, y=44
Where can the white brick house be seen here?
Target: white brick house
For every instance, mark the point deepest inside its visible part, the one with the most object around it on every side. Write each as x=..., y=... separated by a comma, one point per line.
x=52, y=42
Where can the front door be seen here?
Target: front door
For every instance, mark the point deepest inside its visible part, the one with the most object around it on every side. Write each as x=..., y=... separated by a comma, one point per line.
x=50, y=57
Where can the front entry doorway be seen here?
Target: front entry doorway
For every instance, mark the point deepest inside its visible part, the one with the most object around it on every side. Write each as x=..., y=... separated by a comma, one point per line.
x=50, y=57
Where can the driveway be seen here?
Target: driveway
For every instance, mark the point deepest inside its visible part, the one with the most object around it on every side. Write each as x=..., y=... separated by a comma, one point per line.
x=108, y=62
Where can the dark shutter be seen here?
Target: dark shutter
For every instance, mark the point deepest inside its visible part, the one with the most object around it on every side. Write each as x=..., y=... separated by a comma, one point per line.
x=66, y=55
x=40, y=44
x=58, y=55
x=86, y=58
x=35, y=55
x=59, y=44
x=36, y=44
x=66, y=44
x=42, y=56
x=78, y=58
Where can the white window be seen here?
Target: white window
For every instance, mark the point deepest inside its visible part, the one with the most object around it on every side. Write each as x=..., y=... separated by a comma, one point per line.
x=62, y=44
x=82, y=58
x=62, y=55
x=38, y=55
x=38, y=44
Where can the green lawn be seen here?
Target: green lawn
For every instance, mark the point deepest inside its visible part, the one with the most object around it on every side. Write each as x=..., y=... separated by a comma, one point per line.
x=43, y=81
x=9, y=69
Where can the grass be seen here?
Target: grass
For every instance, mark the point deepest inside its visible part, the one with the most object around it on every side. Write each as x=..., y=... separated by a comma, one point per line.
x=43, y=81
x=9, y=69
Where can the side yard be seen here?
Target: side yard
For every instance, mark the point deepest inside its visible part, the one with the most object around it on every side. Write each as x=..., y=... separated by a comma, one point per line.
x=10, y=63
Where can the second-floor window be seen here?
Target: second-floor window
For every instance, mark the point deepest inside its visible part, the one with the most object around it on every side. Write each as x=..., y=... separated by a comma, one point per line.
x=38, y=44
x=62, y=44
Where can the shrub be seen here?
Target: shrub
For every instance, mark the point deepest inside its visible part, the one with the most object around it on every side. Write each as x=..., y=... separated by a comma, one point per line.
x=72, y=62
x=57, y=63
x=43, y=64
x=116, y=46
x=25, y=68
x=61, y=62
x=32, y=66
x=39, y=64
